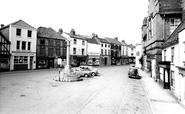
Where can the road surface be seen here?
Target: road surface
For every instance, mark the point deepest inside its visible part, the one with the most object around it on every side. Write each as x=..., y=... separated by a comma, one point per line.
x=34, y=92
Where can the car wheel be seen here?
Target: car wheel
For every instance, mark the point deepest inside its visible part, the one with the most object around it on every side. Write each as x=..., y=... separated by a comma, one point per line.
x=93, y=74
x=86, y=75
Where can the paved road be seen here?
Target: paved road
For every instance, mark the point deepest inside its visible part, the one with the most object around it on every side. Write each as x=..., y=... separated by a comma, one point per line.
x=34, y=92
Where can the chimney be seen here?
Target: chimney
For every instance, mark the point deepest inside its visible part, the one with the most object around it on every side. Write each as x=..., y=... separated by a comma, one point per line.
x=93, y=34
x=123, y=41
x=72, y=31
x=116, y=38
x=2, y=25
x=60, y=31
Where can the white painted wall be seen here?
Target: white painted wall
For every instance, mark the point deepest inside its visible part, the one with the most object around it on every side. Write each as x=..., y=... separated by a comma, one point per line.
x=78, y=46
x=108, y=48
x=139, y=51
x=93, y=49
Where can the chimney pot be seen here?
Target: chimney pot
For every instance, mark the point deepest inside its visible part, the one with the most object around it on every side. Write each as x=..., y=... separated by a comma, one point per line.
x=2, y=25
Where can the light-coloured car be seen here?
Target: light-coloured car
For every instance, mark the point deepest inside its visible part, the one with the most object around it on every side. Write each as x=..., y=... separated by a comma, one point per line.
x=81, y=72
x=90, y=68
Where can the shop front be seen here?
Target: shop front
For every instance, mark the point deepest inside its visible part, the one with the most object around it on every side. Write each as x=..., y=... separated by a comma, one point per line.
x=77, y=60
x=164, y=74
x=23, y=61
x=93, y=60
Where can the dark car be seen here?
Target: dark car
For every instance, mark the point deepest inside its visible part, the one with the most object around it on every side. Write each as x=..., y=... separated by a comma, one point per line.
x=133, y=72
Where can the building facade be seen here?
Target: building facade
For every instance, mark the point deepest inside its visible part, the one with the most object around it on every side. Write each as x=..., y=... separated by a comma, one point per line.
x=163, y=18
x=78, y=49
x=50, y=46
x=115, y=51
x=23, y=45
x=124, y=53
x=93, y=51
x=138, y=54
x=4, y=53
x=105, y=52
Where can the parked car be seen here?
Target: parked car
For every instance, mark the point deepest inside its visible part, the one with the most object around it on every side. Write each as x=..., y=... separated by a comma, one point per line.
x=90, y=68
x=133, y=72
x=81, y=72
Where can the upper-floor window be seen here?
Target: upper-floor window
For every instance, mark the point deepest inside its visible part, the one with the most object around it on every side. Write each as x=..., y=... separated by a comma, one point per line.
x=29, y=33
x=23, y=45
x=101, y=45
x=132, y=54
x=105, y=52
x=42, y=42
x=83, y=42
x=105, y=45
x=83, y=50
x=102, y=51
x=18, y=45
x=138, y=54
x=74, y=41
x=172, y=54
x=184, y=46
x=164, y=55
x=18, y=32
x=174, y=22
x=74, y=50
x=132, y=49
x=29, y=45
x=109, y=52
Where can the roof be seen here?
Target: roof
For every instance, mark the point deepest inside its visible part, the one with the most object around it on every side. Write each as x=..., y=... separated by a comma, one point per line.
x=102, y=40
x=19, y=23
x=77, y=36
x=114, y=41
x=124, y=43
x=131, y=46
x=48, y=33
x=173, y=38
x=92, y=41
x=7, y=41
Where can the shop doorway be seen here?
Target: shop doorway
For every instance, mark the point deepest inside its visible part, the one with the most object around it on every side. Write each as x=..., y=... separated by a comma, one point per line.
x=31, y=63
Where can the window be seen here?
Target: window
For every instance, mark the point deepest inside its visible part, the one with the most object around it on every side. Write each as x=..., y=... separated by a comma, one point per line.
x=23, y=45
x=74, y=50
x=29, y=45
x=83, y=42
x=172, y=54
x=102, y=51
x=137, y=54
x=132, y=54
x=109, y=52
x=20, y=59
x=83, y=52
x=105, y=45
x=172, y=79
x=105, y=52
x=174, y=24
x=101, y=45
x=164, y=55
x=42, y=42
x=18, y=32
x=74, y=41
x=184, y=46
x=18, y=45
x=29, y=33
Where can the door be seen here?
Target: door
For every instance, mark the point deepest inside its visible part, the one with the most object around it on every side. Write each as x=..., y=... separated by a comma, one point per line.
x=31, y=63
x=105, y=61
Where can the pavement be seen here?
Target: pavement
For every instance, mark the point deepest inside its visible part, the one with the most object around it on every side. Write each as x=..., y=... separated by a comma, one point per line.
x=161, y=100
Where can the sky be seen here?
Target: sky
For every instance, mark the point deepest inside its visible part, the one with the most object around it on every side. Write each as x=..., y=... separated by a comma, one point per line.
x=106, y=18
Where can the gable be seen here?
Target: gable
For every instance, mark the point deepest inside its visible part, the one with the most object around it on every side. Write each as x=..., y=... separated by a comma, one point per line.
x=22, y=23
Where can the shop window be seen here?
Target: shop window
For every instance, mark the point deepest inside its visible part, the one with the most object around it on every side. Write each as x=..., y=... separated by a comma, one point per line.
x=20, y=59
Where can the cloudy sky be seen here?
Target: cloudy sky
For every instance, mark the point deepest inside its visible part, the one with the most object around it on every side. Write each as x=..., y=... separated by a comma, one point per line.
x=107, y=18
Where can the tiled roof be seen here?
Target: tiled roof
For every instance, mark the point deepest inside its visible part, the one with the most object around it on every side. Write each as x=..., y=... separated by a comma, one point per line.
x=92, y=41
x=48, y=33
x=77, y=36
x=103, y=40
x=173, y=38
x=123, y=43
x=114, y=41
x=19, y=23
x=131, y=46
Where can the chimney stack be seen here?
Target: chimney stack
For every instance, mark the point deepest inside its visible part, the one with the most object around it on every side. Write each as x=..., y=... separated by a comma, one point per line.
x=2, y=25
x=72, y=31
x=123, y=41
x=116, y=38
